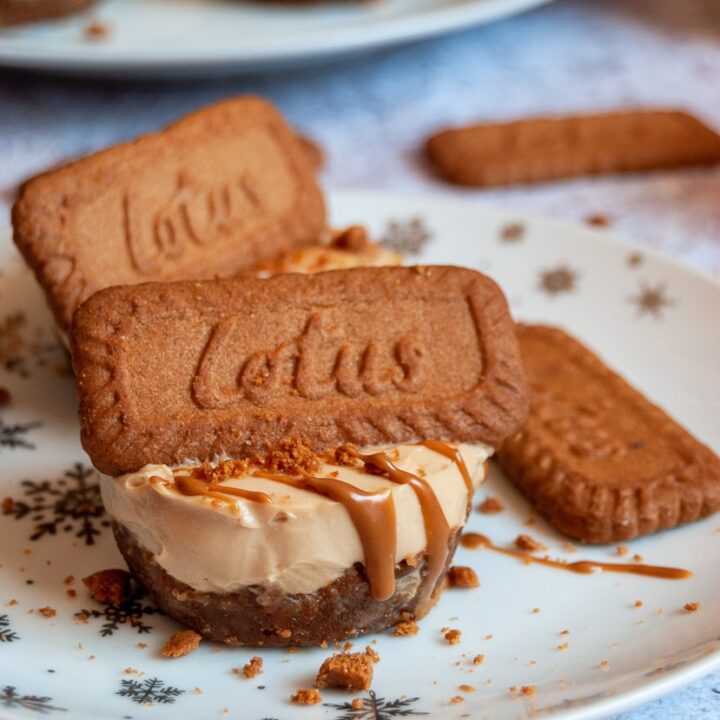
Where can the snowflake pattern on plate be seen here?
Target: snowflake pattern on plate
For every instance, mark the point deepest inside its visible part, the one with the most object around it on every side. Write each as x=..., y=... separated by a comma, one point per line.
x=651, y=300
x=375, y=708
x=408, y=237
x=7, y=634
x=12, y=699
x=72, y=503
x=15, y=436
x=130, y=612
x=151, y=690
x=561, y=279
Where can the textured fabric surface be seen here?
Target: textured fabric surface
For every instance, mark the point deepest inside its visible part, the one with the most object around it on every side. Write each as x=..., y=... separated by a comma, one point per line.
x=372, y=113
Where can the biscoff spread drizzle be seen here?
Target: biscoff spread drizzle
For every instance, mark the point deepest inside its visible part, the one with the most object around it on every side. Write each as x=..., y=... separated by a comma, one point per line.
x=582, y=567
x=372, y=513
x=437, y=530
x=454, y=454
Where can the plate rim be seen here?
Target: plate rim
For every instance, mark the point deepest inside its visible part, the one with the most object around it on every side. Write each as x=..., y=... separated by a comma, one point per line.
x=308, y=46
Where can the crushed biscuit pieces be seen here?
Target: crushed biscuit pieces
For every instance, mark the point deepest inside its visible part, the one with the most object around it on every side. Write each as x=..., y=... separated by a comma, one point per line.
x=452, y=636
x=111, y=587
x=622, y=550
x=47, y=612
x=96, y=30
x=456, y=699
x=527, y=690
x=306, y=697
x=460, y=576
x=71, y=592
x=69, y=580
x=563, y=647
x=638, y=558
x=564, y=633
x=291, y=456
x=224, y=470
x=638, y=603
x=604, y=664
x=253, y=668
x=490, y=506
x=478, y=660
x=597, y=220
x=181, y=643
x=357, y=704
x=351, y=671
x=535, y=611
x=528, y=544
x=691, y=607
x=409, y=627
x=466, y=688
x=8, y=504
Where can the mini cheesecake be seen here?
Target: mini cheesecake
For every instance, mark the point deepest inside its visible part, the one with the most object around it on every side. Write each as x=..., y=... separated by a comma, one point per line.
x=297, y=548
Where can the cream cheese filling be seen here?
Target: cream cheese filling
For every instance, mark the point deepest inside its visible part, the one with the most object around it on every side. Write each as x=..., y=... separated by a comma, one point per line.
x=300, y=542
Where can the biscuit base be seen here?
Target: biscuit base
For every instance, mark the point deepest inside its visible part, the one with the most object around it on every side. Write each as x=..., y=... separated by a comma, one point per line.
x=261, y=616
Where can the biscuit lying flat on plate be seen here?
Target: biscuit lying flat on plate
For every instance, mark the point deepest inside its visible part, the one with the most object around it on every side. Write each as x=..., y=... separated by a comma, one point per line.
x=598, y=459
x=171, y=371
x=223, y=189
x=18, y=12
x=552, y=148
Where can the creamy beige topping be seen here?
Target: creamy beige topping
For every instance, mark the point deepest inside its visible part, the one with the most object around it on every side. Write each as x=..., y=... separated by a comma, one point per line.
x=299, y=542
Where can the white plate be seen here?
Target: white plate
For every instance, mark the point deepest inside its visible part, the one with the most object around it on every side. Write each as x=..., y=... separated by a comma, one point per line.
x=160, y=37
x=648, y=317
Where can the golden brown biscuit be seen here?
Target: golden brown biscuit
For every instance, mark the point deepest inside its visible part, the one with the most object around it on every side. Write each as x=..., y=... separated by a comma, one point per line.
x=598, y=459
x=167, y=372
x=541, y=149
x=221, y=190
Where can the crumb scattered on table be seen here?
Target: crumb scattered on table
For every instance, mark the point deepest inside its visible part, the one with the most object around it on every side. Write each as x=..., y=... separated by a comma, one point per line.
x=306, y=697
x=452, y=636
x=460, y=576
x=528, y=544
x=350, y=671
x=408, y=627
x=491, y=506
x=692, y=607
x=111, y=587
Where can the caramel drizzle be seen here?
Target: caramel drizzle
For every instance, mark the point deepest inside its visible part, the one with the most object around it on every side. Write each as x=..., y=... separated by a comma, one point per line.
x=372, y=513
x=188, y=485
x=582, y=567
x=454, y=454
x=437, y=530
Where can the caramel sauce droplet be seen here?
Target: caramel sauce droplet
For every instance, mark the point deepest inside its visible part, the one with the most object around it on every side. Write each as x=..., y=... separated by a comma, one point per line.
x=582, y=567
x=437, y=530
x=454, y=454
x=372, y=513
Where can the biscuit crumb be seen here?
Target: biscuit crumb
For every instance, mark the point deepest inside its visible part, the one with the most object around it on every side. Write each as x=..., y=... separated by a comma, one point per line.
x=692, y=606
x=141, y=645
x=638, y=603
x=347, y=646
x=512, y=232
x=372, y=655
x=69, y=580
x=409, y=627
x=466, y=688
x=638, y=558
x=351, y=671
x=564, y=633
x=290, y=456
x=622, y=550
x=597, y=220
x=528, y=544
x=306, y=697
x=478, y=660
x=353, y=238
x=198, y=691
x=460, y=576
x=535, y=611
x=71, y=592
x=253, y=668
x=49, y=612
x=96, y=30
x=110, y=587
x=452, y=636
x=456, y=699
x=568, y=547
x=357, y=704
x=491, y=506
x=181, y=643
x=562, y=647
x=8, y=504
x=527, y=690
x=604, y=665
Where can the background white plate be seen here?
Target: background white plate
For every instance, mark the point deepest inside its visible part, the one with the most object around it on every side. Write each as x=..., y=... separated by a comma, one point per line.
x=651, y=319
x=161, y=37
